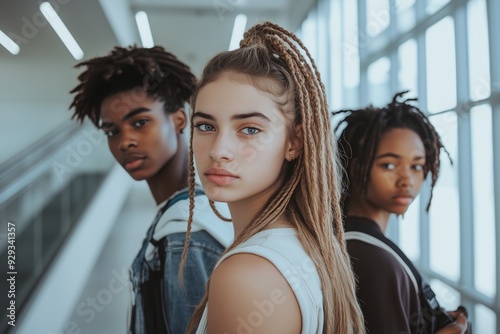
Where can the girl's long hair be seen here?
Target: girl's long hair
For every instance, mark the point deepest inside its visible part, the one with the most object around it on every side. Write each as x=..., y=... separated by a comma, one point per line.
x=270, y=58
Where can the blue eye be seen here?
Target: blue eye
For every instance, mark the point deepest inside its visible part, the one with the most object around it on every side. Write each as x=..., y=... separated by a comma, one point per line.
x=203, y=127
x=250, y=131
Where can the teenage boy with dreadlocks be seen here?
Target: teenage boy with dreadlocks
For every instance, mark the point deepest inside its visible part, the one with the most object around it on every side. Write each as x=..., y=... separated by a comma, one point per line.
x=386, y=154
x=137, y=96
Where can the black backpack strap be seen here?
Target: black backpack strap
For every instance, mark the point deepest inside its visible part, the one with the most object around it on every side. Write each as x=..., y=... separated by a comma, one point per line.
x=424, y=290
x=395, y=248
x=159, y=319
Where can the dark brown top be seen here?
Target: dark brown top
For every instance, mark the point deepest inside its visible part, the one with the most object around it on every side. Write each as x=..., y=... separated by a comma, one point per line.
x=385, y=292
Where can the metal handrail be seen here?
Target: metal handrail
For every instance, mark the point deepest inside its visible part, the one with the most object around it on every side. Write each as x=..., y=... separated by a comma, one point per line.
x=32, y=162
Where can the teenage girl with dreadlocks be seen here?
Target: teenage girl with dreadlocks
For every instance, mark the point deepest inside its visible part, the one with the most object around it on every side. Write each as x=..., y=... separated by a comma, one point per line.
x=137, y=96
x=386, y=154
x=262, y=142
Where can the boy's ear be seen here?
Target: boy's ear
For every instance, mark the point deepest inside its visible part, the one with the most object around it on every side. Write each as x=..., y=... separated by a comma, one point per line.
x=180, y=120
x=296, y=144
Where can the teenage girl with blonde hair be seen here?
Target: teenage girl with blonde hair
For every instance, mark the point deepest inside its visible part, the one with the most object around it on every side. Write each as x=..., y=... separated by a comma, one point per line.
x=262, y=141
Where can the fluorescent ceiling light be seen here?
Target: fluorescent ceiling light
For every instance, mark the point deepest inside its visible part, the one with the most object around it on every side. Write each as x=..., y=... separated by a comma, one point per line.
x=8, y=43
x=240, y=23
x=61, y=30
x=144, y=29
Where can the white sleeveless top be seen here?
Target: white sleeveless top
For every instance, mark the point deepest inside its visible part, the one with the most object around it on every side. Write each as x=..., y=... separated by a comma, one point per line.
x=283, y=249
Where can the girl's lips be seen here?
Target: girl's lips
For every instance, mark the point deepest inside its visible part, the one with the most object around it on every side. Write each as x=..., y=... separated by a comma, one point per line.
x=220, y=180
x=403, y=200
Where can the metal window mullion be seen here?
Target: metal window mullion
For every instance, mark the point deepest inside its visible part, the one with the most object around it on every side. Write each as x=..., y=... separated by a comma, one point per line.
x=424, y=259
x=464, y=165
x=493, y=12
x=363, y=66
x=393, y=27
x=324, y=9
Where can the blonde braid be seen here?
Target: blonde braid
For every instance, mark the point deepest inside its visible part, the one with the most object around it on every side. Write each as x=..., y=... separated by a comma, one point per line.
x=319, y=105
x=191, y=184
x=217, y=213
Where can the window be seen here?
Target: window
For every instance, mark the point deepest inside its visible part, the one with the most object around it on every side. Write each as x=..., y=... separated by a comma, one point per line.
x=408, y=67
x=411, y=45
x=444, y=214
x=377, y=16
x=441, y=68
x=479, y=60
x=378, y=80
x=483, y=194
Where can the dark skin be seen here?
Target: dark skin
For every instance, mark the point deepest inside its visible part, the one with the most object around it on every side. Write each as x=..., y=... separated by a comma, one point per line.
x=147, y=141
x=396, y=177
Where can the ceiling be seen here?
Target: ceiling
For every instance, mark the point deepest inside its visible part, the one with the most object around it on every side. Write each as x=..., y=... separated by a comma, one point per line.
x=194, y=30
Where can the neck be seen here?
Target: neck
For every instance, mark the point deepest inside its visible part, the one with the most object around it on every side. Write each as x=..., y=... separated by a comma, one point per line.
x=359, y=208
x=172, y=177
x=245, y=211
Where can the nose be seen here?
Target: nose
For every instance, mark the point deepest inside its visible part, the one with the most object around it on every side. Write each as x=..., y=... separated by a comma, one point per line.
x=127, y=141
x=222, y=147
x=406, y=179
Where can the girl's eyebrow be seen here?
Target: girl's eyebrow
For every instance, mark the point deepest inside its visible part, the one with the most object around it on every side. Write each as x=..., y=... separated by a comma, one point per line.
x=396, y=156
x=234, y=117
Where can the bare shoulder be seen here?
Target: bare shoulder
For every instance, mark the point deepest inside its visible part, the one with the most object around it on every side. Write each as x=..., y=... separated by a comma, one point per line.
x=249, y=294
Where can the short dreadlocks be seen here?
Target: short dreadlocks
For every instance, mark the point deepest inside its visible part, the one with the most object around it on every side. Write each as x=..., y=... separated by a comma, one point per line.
x=159, y=73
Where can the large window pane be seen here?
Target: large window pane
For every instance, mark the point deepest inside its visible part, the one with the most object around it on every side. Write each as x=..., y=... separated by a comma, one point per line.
x=309, y=33
x=483, y=195
x=444, y=212
x=479, y=59
x=378, y=81
x=441, y=70
x=485, y=321
x=323, y=57
x=408, y=68
x=405, y=14
x=409, y=231
x=336, y=59
x=377, y=16
x=351, y=54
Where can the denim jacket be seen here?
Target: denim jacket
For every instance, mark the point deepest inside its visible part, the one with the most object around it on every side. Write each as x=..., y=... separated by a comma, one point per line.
x=177, y=302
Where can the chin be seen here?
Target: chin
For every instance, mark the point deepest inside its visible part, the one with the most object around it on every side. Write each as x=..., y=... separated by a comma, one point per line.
x=399, y=211
x=216, y=194
x=139, y=175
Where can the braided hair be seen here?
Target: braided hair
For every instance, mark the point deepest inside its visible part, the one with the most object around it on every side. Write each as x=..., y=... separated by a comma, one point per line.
x=157, y=72
x=360, y=138
x=276, y=62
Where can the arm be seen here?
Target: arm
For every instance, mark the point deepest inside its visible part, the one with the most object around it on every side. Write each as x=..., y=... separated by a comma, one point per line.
x=248, y=294
x=180, y=302
x=385, y=293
